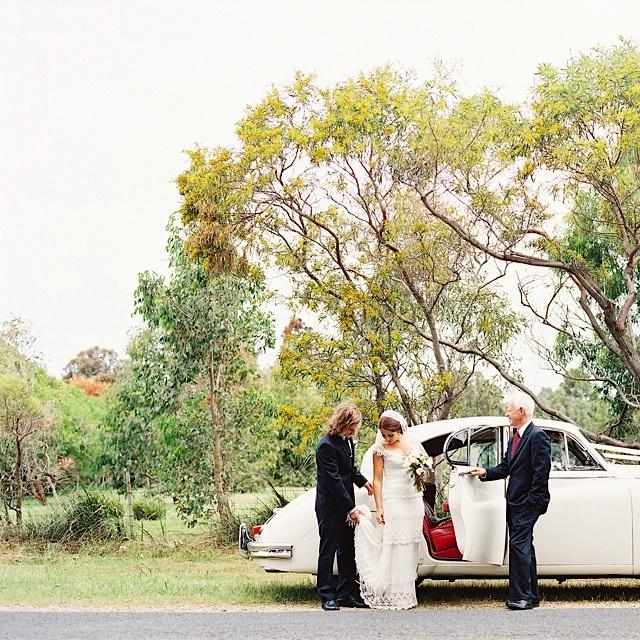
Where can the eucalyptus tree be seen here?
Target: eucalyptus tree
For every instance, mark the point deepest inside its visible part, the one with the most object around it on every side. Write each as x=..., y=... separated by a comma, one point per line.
x=136, y=405
x=208, y=328
x=318, y=187
x=96, y=363
x=22, y=423
x=571, y=211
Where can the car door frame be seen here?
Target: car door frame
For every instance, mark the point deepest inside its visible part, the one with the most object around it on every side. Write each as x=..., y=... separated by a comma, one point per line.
x=478, y=509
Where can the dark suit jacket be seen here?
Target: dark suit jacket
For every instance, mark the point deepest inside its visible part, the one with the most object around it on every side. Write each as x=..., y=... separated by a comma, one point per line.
x=528, y=471
x=337, y=473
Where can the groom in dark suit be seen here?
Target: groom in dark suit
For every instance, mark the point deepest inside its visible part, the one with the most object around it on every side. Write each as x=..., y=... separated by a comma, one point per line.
x=335, y=508
x=527, y=463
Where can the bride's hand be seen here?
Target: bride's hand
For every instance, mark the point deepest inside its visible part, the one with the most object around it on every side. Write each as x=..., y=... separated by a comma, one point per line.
x=380, y=516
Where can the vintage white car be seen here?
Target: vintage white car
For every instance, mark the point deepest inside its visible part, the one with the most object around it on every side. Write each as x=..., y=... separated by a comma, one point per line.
x=592, y=527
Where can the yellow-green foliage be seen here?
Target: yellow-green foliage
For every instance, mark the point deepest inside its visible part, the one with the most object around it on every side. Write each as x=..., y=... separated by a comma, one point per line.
x=336, y=186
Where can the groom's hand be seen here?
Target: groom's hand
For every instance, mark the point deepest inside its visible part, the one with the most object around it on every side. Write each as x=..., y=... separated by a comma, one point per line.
x=478, y=472
x=354, y=516
x=369, y=487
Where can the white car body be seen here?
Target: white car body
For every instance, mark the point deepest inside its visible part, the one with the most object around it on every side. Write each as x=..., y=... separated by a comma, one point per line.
x=592, y=527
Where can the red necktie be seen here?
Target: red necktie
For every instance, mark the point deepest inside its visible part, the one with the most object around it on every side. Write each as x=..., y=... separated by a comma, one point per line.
x=515, y=443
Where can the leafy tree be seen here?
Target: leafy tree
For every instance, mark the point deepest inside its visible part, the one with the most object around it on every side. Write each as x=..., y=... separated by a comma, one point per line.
x=19, y=344
x=245, y=446
x=74, y=438
x=67, y=449
x=481, y=397
x=135, y=407
x=205, y=332
x=300, y=417
x=577, y=144
x=580, y=400
x=21, y=423
x=320, y=186
x=96, y=364
x=89, y=386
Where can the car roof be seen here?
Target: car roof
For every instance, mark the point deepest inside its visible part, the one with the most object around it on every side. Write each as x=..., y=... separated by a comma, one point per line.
x=428, y=430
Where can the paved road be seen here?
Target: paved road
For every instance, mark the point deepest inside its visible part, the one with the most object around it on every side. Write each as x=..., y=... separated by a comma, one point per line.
x=480, y=624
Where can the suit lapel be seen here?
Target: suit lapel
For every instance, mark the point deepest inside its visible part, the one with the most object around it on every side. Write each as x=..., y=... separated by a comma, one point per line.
x=343, y=446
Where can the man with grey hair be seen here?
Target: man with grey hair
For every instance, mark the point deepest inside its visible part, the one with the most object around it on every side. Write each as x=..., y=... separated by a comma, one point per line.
x=527, y=463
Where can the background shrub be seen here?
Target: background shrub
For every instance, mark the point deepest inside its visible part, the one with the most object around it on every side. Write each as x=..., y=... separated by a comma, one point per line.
x=87, y=517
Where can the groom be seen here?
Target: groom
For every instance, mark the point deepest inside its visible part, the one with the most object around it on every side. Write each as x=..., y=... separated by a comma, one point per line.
x=335, y=508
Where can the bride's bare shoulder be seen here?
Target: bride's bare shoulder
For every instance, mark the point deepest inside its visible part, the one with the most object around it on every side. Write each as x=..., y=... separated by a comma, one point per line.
x=379, y=450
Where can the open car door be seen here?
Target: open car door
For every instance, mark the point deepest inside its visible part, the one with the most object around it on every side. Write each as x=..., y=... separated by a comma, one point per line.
x=478, y=509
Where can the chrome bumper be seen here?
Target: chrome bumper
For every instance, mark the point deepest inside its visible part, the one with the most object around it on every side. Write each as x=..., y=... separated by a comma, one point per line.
x=249, y=548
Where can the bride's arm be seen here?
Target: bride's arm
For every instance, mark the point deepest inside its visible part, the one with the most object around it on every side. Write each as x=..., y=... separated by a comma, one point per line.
x=378, y=466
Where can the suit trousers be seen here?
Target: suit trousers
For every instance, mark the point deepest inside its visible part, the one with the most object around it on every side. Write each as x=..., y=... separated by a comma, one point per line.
x=523, y=571
x=336, y=539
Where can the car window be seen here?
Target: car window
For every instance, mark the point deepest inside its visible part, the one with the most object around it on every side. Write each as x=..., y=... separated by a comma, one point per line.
x=476, y=447
x=557, y=450
x=578, y=457
x=567, y=454
x=483, y=449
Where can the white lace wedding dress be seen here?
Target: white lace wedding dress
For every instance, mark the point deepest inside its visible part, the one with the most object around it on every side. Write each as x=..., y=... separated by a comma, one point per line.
x=387, y=556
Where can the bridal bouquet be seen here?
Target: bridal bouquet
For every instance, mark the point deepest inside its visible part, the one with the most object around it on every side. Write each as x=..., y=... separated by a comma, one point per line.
x=418, y=466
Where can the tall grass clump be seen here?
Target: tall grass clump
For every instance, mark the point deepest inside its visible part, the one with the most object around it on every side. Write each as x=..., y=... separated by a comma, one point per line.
x=149, y=509
x=89, y=517
x=224, y=533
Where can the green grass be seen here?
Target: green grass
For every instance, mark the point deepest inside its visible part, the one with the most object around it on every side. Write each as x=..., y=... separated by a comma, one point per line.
x=171, y=574
x=177, y=566
x=140, y=574
x=168, y=564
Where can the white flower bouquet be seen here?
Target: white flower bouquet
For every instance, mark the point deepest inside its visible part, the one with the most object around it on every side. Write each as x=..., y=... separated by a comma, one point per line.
x=418, y=466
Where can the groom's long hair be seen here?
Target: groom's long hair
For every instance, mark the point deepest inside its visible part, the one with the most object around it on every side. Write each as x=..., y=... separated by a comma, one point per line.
x=345, y=416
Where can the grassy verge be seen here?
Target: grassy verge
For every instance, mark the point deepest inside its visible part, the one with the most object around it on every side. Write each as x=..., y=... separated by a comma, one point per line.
x=175, y=566
x=169, y=564
x=172, y=574
x=141, y=574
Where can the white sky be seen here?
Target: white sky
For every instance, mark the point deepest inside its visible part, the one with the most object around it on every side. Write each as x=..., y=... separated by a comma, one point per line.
x=100, y=98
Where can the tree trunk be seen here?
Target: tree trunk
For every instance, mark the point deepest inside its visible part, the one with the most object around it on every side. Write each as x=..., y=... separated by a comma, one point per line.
x=445, y=408
x=52, y=486
x=404, y=396
x=222, y=502
x=17, y=474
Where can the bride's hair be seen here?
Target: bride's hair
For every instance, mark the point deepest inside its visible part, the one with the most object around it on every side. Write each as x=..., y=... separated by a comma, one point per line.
x=389, y=424
x=345, y=416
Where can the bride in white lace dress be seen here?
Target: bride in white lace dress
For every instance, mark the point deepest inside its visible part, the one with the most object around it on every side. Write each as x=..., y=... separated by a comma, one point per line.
x=387, y=556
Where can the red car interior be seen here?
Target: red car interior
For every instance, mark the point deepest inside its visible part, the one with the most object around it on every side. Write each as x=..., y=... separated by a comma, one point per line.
x=440, y=537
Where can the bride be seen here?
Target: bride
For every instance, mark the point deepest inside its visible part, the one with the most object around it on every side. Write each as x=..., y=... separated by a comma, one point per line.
x=387, y=556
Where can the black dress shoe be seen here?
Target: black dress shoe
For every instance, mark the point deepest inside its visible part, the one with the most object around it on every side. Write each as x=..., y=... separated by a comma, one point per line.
x=519, y=605
x=330, y=605
x=353, y=602
x=535, y=603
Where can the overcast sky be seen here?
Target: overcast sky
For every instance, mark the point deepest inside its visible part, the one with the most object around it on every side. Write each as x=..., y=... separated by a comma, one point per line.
x=100, y=98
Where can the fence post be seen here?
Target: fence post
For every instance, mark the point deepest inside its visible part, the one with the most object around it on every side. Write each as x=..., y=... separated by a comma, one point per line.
x=127, y=479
